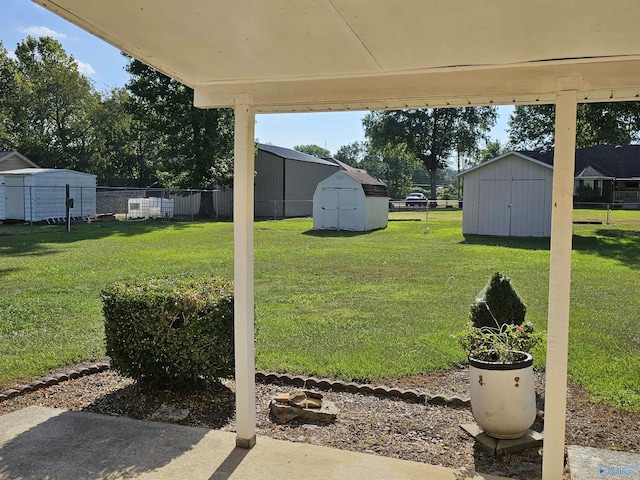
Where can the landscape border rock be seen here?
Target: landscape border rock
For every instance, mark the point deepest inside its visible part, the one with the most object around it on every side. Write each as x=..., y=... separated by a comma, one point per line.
x=264, y=377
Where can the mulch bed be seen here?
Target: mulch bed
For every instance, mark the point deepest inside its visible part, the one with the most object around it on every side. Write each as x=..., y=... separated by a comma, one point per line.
x=368, y=423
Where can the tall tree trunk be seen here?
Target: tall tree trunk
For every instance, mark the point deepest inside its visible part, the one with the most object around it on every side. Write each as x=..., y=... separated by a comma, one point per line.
x=432, y=179
x=206, y=205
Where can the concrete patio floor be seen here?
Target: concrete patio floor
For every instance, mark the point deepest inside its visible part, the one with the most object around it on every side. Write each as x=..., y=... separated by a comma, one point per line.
x=39, y=443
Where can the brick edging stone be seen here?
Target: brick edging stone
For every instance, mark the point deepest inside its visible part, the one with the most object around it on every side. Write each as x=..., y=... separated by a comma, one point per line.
x=364, y=389
x=264, y=377
x=53, y=380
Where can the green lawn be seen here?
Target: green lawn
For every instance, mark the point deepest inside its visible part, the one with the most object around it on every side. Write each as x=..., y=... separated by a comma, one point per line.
x=349, y=305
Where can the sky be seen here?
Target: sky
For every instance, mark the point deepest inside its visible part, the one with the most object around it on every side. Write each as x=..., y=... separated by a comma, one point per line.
x=104, y=65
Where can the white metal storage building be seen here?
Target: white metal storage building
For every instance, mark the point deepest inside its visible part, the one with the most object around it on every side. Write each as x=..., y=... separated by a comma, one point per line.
x=36, y=194
x=351, y=200
x=509, y=195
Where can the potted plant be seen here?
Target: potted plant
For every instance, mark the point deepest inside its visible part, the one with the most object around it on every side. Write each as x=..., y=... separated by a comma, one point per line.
x=499, y=342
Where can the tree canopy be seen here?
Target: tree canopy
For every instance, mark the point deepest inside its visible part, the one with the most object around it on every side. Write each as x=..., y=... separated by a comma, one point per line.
x=313, y=150
x=615, y=123
x=391, y=165
x=195, y=145
x=50, y=106
x=150, y=130
x=430, y=136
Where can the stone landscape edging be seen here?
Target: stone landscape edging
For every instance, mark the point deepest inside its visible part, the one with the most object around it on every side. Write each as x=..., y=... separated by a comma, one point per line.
x=364, y=389
x=264, y=377
x=53, y=380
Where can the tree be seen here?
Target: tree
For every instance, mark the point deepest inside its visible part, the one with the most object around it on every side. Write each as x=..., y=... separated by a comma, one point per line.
x=352, y=153
x=195, y=146
x=125, y=148
x=492, y=149
x=430, y=136
x=388, y=164
x=614, y=123
x=53, y=107
x=313, y=150
x=8, y=90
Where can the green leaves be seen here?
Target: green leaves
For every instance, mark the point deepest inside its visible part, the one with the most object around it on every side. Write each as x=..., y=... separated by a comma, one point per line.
x=171, y=332
x=430, y=136
x=616, y=123
x=195, y=145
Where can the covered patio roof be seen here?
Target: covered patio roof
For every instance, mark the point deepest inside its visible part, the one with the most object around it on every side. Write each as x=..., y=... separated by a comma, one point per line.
x=308, y=55
x=319, y=55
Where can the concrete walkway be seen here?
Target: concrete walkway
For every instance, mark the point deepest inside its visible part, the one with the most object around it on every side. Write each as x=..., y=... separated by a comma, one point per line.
x=588, y=463
x=38, y=443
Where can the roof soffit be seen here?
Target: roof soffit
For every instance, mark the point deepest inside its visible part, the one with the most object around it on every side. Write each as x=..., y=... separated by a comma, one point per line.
x=305, y=55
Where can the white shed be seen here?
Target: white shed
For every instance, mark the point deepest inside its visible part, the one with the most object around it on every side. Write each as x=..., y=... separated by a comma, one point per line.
x=351, y=200
x=36, y=194
x=509, y=195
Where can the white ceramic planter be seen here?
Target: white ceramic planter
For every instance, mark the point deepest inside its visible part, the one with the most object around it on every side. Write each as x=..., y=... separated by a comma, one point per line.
x=503, y=396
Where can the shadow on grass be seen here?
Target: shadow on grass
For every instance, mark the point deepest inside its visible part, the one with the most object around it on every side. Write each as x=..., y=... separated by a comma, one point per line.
x=525, y=243
x=41, y=239
x=8, y=271
x=620, y=245
x=335, y=233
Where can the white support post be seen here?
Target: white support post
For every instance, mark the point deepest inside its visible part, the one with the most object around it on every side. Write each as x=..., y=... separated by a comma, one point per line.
x=243, y=194
x=559, y=284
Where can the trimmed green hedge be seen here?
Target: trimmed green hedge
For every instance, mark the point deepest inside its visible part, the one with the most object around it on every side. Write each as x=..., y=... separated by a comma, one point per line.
x=172, y=333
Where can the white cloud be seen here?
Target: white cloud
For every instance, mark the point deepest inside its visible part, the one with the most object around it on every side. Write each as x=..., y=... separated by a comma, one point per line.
x=41, y=31
x=85, y=68
x=12, y=55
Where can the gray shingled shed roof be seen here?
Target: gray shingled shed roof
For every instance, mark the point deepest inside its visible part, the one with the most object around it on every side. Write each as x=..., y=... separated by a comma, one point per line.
x=371, y=185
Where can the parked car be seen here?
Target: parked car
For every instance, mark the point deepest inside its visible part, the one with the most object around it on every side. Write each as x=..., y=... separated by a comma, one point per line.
x=415, y=200
x=419, y=200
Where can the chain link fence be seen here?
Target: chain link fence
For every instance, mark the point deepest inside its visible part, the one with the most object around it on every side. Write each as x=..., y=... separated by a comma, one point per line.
x=21, y=205
x=160, y=203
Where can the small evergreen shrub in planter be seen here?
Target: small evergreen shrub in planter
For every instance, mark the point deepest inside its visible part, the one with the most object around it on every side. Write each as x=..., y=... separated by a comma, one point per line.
x=501, y=379
x=497, y=330
x=498, y=304
x=173, y=333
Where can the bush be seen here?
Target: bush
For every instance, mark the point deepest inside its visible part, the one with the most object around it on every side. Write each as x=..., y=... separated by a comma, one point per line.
x=497, y=330
x=497, y=304
x=172, y=333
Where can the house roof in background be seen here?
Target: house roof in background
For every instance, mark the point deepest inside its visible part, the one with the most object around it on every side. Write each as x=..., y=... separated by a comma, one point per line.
x=590, y=172
x=6, y=155
x=611, y=161
x=290, y=154
x=601, y=161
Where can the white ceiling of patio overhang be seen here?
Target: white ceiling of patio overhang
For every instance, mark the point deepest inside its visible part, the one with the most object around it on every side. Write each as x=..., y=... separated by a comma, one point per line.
x=307, y=55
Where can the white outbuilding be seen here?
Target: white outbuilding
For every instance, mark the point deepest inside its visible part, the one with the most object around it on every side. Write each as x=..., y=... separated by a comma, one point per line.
x=509, y=195
x=36, y=194
x=351, y=200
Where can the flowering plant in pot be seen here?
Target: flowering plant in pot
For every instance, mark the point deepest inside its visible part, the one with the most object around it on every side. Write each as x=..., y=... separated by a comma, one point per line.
x=499, y=342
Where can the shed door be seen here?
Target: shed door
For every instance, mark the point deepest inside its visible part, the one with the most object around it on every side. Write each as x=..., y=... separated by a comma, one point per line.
x=512, y=207
x=339, y=208
x=14, y=197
